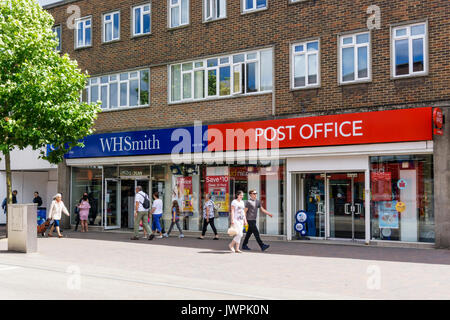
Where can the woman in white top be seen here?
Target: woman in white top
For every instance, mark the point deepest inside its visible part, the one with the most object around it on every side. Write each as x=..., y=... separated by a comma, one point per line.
x=57, y=207
x=238, y=220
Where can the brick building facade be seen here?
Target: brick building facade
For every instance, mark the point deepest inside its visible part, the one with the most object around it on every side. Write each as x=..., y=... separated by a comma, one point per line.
x=278, y=25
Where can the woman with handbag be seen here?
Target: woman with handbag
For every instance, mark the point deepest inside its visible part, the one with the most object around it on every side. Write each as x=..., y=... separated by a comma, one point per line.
x=237, y=221
x=208, y=217
x=56, y=209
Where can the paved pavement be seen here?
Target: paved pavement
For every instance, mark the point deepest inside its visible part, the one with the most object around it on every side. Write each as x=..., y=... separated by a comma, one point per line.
x=107, y=265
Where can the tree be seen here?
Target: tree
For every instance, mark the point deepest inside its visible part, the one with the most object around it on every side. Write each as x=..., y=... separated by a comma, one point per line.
x=40, y=89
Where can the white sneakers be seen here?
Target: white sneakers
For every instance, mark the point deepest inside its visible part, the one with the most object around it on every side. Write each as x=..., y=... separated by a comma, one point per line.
x=181, y=236
x=165, y=235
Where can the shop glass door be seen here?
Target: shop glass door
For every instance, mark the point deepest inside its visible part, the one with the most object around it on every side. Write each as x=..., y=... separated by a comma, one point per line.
x=314, y=204
x=112, y=204
x=346, y=205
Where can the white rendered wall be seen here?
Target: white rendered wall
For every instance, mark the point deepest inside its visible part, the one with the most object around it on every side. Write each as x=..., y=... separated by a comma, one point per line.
x=26, y=159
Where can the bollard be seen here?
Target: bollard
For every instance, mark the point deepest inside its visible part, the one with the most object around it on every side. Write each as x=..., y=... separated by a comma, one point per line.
x=22, y=228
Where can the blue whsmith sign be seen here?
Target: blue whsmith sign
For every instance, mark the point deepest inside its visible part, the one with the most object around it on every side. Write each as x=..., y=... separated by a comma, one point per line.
x=147, y=142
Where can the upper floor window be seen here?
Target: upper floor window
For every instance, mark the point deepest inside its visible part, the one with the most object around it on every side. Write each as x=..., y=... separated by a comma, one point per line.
x=57, y=30
x=141, y=19
x=111, y=26
x=83, y=32
x=410, y=50
x=128, y=89
x=241, y=73
x=252, y=5
x=305, y=64
x=178, y=13
x=215, y=9
x=354, y=57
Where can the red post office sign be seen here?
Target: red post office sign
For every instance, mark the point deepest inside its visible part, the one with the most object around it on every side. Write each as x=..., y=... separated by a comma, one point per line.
x=401, y=125
x=438, y=121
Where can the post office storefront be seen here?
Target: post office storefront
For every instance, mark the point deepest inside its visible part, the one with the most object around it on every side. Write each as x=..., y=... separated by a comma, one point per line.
x=356, y=176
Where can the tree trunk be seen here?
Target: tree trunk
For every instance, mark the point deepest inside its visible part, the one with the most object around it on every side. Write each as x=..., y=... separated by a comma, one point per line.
x=8, y=186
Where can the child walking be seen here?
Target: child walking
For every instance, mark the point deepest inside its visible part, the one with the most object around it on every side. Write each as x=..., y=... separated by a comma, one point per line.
x=175, y=219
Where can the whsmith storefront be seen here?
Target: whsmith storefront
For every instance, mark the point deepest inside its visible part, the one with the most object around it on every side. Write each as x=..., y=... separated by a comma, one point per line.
x=362, y=177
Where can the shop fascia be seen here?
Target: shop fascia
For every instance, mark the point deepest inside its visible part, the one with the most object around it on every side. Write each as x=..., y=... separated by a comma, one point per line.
x=261, y=140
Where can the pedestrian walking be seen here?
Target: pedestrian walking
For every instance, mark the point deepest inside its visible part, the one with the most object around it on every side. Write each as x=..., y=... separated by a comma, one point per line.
x=157, y=211
x=57, y=207
x=237, y=220
x=5, y=201
x=208, y=217
x=37, y=199
x=83, y=212
x=251, y=212
x=77, y=211
x=175, y=219
x=140, y=213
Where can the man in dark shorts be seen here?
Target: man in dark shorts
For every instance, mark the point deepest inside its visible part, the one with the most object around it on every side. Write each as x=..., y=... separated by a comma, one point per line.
x=251, y=210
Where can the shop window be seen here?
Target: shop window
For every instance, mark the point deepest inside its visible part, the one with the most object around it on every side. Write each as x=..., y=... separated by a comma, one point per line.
x=141, y=20
x=305, y=64
x=402, y=198
x=215, y=9
x=87, y=180
x=354, y=58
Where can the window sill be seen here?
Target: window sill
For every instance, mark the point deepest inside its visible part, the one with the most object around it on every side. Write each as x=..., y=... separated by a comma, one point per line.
x=305, y=88
x=124, y=109
x=178, y=27
x=137, y=36
x=255, y=10
x=214, y=20
x=425, y=74
x=296, y=2
x=82, y=48
x=345, y=84
x=112, y=41
x=221, y=98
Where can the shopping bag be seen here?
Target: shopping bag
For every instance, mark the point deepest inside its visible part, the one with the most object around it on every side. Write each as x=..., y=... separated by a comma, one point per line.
x=232, y=231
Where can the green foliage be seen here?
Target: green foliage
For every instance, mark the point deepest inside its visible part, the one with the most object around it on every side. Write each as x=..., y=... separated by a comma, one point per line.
x=39, y=88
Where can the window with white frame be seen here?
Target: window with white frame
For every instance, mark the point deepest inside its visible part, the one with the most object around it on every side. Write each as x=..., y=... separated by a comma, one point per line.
x=241, y=73
x=57, y=30
x=354, y=57
x=215, y=9
x=111, y=26
x=305, y=64
x=252, y=5
x=83, y=32
x=409, y=50
x=141, y=19
x=178, y=13
x=127, y=89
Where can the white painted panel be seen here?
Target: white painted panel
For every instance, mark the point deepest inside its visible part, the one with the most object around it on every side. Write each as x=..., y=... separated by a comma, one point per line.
x=27, y=159
x=408, y=220
x=320, y=164
x=35, y=181
x=253, y=183
x=273, y=205
x=52, y=189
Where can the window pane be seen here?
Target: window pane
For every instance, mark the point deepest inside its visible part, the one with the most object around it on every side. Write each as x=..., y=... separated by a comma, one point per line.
x=199, y=64
x=187, y=85
x=208, y=13
x=261, y=3
x=313, y=46
x=144, y=93
x=400, y=32
x=224, y=60
x=348, y=64
x=176, y=83
x=252, y=77
x=88, y=37
x=418, y=60
x=80, y=34
x=362, y=63
x=175, y=16
x=417, y=30
x=225, y=81
x=401, y=57
x=124, y=76
x=133, y=74
x=251, y=56
x=134, y=90
x=104, y=96
x=248, y=4
x=137, y=21
x=221, y=8
x=348, y=40
x=299, y=71
x=238, y=58
x=94, y=94
x=104, y=79
x=199, y=84
x=184, y=11
x=123, y=94
x=211, y=62
x=113, y=95
x=146, y=23
x=212, y=82
x=116, y=26
x=298, y=48
x=266, y=70
x=187, y=66
x=237, y=77
x=312, y=69
x=362, y=38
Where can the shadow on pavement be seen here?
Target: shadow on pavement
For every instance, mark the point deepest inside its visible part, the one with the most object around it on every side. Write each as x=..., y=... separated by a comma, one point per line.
x=430, y=256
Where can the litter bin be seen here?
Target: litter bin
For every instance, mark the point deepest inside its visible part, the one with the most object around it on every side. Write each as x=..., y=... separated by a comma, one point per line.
x=22, y=233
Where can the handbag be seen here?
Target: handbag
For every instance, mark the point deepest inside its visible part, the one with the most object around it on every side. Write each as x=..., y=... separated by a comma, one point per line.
x=232, y=231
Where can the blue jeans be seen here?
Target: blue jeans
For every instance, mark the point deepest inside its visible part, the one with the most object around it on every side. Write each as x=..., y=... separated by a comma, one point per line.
x=155, y=222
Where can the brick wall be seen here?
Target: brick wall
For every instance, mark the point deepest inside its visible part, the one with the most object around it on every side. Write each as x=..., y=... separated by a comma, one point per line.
x=280, y=25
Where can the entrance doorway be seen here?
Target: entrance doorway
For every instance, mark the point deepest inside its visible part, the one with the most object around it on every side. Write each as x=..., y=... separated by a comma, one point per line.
x=334, y=204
